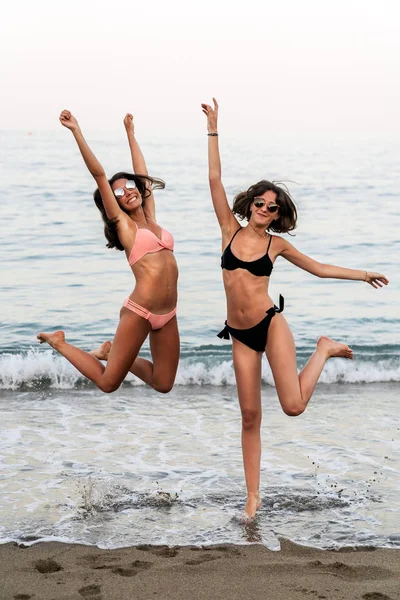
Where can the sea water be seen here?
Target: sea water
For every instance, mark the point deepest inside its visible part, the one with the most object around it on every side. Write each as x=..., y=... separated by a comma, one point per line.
x=139, y=467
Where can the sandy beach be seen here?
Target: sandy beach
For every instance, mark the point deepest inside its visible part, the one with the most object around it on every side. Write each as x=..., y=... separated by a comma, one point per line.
x=55, y=571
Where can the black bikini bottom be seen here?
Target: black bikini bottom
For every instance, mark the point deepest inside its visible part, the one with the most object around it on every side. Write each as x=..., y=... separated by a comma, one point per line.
x=254, y=337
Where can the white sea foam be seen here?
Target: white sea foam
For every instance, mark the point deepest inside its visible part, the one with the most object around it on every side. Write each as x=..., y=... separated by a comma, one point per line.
x=137, y=468
x=37, y=369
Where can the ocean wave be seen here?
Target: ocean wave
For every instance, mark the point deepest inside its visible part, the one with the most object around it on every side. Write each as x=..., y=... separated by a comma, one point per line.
x=35, y=369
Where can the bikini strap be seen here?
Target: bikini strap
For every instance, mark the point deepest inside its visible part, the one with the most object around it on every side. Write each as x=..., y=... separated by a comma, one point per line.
x=270, y=240
x=236, y=232
x=281, y=304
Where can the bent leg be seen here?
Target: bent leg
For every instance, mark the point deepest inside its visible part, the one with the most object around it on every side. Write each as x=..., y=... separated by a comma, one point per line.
x=165, y=351
x=164, y=346
x=294, y=390
x=247, y=365
x=129, y=337
x=131, y=332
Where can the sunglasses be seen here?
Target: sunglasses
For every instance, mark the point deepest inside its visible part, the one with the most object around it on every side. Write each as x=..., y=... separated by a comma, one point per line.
x=259, y=203
x=120, y=192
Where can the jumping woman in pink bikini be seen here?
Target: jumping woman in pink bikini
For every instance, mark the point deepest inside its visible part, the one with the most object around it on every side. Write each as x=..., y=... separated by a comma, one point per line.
x=127, y=206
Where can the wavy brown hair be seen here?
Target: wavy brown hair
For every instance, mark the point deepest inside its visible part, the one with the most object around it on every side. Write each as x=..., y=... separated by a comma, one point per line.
x=287, y=210
x=110, y=225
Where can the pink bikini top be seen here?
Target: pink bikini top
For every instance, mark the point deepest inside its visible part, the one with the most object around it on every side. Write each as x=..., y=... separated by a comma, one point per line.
x=147, y=242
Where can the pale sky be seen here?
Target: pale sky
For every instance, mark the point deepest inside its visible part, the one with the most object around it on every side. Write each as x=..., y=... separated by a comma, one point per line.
x=287, y=65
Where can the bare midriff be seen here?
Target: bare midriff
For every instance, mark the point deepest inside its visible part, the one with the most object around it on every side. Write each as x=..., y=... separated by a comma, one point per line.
x=156, y=277
x=247, y=298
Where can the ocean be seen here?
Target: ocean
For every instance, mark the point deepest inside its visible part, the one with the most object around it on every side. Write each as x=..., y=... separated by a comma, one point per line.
x=137, y=467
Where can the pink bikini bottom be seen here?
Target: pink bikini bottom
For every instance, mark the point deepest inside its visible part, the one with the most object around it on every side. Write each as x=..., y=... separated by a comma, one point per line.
x=156, y=321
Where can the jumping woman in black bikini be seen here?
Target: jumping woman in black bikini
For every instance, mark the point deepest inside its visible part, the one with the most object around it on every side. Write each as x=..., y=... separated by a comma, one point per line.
x=254, y=323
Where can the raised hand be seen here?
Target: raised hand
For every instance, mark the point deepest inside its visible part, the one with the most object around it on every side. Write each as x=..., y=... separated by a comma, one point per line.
x=68, y=120
x=128, y=122
x=212, y=116
x=376, y=279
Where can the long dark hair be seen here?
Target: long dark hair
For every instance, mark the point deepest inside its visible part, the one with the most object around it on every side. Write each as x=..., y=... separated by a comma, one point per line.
x=287, y=209
x=110, y=225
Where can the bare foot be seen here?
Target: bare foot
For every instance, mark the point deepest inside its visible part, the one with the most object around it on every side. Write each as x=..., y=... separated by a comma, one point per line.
x=53, y=339
x=252, y=505
x=332, y=348
x=102, y=352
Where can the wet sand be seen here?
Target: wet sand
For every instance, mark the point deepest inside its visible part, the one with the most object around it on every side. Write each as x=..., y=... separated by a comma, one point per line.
x=56, y=571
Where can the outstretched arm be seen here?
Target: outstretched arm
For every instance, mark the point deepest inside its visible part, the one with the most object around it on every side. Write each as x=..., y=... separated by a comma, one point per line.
x=139, y=164
x=226, y=220
x=110, y=203
x=328, y=271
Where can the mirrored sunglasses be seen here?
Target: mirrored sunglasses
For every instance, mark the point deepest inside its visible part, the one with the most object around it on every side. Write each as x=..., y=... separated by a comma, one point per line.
x=120, y=192
x=260, y=202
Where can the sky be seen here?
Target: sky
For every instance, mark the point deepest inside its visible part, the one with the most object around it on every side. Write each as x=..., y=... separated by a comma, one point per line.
x=287, y=65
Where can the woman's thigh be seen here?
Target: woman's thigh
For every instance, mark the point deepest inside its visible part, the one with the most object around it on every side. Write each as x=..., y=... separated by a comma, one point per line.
x=165, y=348
x=281, y=355
x=131, y=332
x=247, y=366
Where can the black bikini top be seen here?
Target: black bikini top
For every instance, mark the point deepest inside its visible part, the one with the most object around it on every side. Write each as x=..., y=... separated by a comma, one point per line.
x=262, y=267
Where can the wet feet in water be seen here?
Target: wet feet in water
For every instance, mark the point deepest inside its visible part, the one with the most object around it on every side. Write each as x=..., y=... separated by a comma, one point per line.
x=252, y=505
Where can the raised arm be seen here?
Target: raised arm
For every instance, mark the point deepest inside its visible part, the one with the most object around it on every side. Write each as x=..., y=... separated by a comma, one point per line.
x=314, y=267
x=110, y=203
x=139, y=164
x=226, y=220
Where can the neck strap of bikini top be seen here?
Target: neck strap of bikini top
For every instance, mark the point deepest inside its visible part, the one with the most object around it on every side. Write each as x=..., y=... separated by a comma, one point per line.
x=236, y=232
x=270, y=240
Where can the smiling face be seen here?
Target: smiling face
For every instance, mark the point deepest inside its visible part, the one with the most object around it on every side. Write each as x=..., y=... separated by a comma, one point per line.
x=261, y=215
x=127, y=194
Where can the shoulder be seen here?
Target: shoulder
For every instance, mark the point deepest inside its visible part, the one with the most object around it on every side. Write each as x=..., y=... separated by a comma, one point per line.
x=280, y=245
x=126, y=229
x=123, y=221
